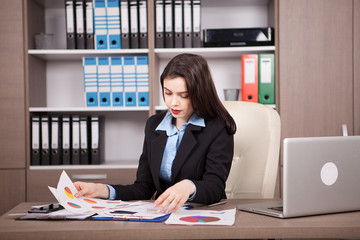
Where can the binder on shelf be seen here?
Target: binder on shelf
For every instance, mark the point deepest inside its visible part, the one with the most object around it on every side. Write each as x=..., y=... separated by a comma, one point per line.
x=66, y=156
x=249, y=77
x=178, y=24
x=117, y=84
x=103, y=74
x=142, y=80
x=129, y=74
x=113, y=24
x=70, y=24
x=100, y=24
x=75, y=140
x=84, y=129
x=196, y=24
x=266, y=78
x=187, y=24
x=45, y=156
x=159, y=24
x=143, y=29
x=35, y=140
x=97, y=141
x=80, y=22
x=134, y=24
x=169, y=38
x=55, y=141
x=125, y=24
x=89, y=23
x=90, y=81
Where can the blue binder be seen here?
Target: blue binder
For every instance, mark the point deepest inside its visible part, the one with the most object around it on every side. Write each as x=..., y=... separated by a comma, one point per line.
x=103, y=69
x=90, y=81
x=142, y=80
x=113, y=24
x=117, y=84
x=100, y=24
x=129, y=81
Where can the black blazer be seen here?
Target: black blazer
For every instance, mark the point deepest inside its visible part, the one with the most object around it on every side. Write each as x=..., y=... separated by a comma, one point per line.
x=204, y=157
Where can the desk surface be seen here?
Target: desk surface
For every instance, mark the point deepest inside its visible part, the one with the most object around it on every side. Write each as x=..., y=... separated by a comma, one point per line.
x=247, y=225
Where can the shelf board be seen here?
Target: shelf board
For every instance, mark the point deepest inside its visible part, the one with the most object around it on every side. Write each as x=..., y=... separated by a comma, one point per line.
x=214, y=52
x=76, y=54
x=85, y=167
x=88, y=109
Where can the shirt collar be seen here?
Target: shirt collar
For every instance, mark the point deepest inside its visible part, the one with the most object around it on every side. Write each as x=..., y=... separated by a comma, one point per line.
x=166, y=123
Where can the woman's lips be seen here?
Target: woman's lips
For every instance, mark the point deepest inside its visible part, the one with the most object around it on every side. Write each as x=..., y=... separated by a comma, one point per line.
x=176, y=112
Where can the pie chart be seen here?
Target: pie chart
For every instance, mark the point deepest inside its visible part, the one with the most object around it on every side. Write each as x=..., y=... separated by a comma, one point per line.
x=199, y=219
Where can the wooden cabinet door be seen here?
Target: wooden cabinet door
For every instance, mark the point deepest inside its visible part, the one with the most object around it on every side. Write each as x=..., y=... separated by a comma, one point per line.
x=12, y=187
x=315, y=67
x=357, y=67
x=12, y=84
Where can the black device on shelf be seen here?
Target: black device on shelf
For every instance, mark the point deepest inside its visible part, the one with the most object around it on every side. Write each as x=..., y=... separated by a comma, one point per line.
x=236, y=37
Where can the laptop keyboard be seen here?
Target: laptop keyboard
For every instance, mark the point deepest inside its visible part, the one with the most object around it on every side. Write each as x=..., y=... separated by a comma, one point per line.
x=280, y=209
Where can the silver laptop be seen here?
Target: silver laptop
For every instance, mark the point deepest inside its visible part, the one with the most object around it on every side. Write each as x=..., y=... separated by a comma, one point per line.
x=320, y=175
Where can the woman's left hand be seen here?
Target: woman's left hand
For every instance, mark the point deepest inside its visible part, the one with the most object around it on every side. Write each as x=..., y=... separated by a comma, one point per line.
x=175, y=196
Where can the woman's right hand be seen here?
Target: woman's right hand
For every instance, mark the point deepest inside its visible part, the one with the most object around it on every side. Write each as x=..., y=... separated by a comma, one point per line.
x=92, y=190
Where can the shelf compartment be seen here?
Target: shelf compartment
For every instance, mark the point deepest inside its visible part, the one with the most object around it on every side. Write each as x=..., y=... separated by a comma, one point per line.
x=214, y=52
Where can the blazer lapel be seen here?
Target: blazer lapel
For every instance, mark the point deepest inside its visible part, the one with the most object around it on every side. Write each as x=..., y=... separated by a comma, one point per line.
x=157, y=151
x=188, y=143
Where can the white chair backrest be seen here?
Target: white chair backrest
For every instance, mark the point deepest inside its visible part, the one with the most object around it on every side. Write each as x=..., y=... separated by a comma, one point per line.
x=254, y=168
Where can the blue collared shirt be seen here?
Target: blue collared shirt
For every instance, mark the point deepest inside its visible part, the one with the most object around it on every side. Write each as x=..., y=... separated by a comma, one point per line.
x=172, y=144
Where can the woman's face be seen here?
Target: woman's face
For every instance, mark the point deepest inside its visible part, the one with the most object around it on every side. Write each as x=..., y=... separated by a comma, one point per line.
x=177, y=100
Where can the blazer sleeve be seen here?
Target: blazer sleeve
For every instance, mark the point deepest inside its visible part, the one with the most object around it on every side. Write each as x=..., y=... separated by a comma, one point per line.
x=211, y=188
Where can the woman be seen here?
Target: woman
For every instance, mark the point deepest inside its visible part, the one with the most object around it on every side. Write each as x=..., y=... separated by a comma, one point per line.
x=187, y=150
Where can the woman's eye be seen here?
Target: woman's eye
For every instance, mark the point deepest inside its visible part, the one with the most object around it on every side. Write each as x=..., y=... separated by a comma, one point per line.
x=185, y=95
x=167, y=93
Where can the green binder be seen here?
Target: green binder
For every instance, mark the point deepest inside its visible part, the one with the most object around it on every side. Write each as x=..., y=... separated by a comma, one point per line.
x=266, y=78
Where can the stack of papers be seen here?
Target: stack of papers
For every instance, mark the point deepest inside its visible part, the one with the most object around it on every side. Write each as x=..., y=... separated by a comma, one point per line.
x=105, y=209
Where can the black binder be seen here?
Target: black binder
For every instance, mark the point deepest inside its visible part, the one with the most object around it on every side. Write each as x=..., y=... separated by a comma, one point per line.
x=97, y=141
x=35, y=140
x=159, y=23
x=45, y=156
x=80, y=24
x=143, y=29
x=134, y=24
x=196, y=25
x=187, y=24
x=84, y=140
x=55, y=144
x=125, y=24
x=169, y=24
x=178, y=24
x=70, y=24
x=66, y=156
x=89, y=16
x=75, y=140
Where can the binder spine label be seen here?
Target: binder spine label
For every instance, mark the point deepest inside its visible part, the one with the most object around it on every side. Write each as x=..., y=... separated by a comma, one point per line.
x=117, y=84
x=103, y=70
x=100, y=24
x=113, y=24
x=249, y=71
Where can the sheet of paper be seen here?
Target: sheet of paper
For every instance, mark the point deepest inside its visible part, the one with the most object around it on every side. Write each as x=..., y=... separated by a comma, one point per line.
x=202, y=217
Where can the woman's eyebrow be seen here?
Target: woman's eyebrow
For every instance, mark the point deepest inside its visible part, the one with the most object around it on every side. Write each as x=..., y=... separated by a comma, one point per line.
x=176, y=92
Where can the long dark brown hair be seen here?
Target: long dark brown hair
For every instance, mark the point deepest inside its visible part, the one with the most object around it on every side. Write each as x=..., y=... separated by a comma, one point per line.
x=200, y=85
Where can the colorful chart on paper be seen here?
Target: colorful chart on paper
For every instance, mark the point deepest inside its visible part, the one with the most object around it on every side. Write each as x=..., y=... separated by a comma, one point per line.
x=200, y=219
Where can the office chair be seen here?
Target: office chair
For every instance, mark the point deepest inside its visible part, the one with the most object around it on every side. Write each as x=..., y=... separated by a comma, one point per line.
x=256, y=151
